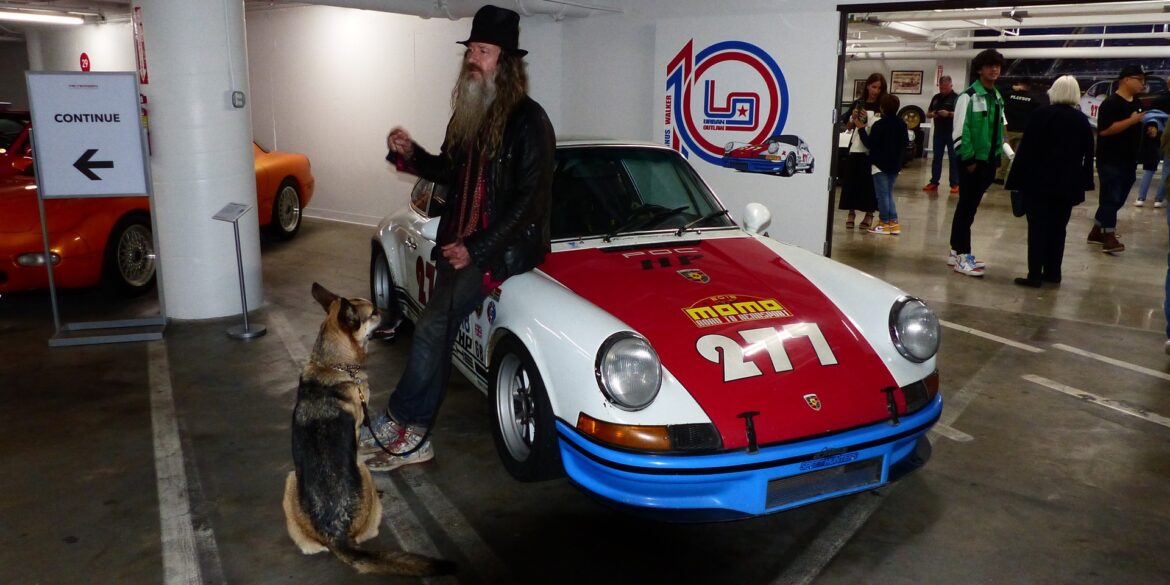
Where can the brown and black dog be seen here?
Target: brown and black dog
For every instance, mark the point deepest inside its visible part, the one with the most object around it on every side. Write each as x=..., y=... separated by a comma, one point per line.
x=329, y=501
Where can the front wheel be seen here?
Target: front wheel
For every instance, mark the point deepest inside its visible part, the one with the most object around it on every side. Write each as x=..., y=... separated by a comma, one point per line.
x=524, y=427
x=128, y=266
x=385, y=296
x=789, y=166
x=286, y=211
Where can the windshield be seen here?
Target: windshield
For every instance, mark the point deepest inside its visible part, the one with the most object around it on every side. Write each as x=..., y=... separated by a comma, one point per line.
x=789, y=139
x=600, y=191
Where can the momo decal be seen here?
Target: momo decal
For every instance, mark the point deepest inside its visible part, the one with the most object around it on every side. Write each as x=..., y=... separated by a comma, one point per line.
x=724, y=309
x=731, y=91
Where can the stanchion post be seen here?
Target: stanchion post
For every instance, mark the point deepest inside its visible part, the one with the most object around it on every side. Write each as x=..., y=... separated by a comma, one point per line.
x=233, y=212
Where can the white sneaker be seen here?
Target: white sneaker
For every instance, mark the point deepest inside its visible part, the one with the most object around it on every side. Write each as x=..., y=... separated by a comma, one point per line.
x=967, y=265
x=1159, y=204
x=1139, y=203
x=953, y=259
x=414, y=446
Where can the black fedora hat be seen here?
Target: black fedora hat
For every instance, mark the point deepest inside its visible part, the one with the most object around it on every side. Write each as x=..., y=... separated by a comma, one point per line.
x=496, y=26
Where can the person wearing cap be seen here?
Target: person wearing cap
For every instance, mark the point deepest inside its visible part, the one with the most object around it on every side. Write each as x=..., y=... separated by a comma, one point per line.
x=1018, y=106
x=497, y=163
x=979, y=143
x=1119, y=135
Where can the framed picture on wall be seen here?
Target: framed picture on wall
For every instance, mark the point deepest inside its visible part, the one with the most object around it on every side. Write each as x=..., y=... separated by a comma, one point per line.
x=858, y=88
x=906, y=82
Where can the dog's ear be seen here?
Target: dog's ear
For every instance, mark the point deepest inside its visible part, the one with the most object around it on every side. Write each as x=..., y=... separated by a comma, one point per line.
x=347, y=316
x=323, y=296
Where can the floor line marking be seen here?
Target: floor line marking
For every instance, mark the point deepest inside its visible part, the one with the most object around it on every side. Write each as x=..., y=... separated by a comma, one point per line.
x=1111, y=361
x=994, y=338
x=179, y=554
x=405, y=526
x=808, y=566
x=487, y=565
x=951, y=433
x=1117, y=405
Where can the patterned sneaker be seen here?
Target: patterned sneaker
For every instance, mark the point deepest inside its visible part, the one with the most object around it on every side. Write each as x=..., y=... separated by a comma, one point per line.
x=414, y=446
x=894, y=227
x=886, y=228
x=967, y=265
x=953, y=259
x=388, y=430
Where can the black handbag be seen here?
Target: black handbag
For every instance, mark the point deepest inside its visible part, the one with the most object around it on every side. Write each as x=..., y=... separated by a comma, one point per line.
x=1017, y=203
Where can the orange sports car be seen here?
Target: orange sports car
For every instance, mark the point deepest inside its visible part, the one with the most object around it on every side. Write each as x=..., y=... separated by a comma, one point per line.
x=108, y=240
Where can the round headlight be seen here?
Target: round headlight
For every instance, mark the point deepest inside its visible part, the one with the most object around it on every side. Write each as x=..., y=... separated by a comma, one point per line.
x=774, y=148
x=728, y=147
x=914, y=329
x=628, y=371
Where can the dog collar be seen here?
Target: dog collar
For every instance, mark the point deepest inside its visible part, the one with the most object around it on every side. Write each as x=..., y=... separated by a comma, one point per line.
x=351, y=369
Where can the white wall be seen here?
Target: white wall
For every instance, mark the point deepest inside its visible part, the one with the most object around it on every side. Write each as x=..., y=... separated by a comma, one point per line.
x=110, y=47
x=862, y=68
x=331, y=82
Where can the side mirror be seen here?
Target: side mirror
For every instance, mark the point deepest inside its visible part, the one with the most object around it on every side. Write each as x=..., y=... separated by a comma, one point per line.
x=756, y=218
x=430, y=229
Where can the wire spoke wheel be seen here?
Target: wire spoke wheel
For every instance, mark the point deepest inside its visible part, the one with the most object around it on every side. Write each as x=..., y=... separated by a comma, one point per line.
x=135, y=255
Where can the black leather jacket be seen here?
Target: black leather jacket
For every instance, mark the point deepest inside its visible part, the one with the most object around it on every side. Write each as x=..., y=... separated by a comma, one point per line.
x=518, y=200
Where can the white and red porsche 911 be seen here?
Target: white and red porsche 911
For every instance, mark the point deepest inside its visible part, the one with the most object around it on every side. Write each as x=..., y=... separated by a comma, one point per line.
x=674, y=363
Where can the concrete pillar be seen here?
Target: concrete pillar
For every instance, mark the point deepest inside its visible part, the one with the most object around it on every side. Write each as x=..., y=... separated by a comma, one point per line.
x=201, y=154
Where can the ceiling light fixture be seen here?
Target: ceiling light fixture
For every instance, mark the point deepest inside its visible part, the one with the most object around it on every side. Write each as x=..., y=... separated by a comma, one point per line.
x=40, y=18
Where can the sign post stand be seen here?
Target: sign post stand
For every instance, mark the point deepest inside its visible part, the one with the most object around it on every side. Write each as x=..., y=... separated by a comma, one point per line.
x=232, y=212
x=77, y=117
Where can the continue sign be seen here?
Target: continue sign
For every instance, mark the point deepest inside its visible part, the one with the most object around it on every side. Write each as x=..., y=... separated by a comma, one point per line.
x=87, y=134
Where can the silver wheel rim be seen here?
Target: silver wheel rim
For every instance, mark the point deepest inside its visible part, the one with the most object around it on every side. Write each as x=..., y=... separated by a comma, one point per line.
x=382, y=291
x=136, y=255
x=288, y=208
x=515, y=407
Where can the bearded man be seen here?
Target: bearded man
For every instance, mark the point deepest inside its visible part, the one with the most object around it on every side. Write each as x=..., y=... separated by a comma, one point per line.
x=497, y=163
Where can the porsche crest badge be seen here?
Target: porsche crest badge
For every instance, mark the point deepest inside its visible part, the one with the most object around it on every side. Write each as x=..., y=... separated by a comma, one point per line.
x=812, y=401
x=695, y=275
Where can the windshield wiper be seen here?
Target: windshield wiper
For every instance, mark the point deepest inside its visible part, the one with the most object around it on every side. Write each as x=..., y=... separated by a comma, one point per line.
x=703, y=219
x=635, y=223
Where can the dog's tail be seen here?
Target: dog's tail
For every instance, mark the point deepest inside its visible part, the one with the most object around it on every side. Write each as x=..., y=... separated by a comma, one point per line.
x=391, y=562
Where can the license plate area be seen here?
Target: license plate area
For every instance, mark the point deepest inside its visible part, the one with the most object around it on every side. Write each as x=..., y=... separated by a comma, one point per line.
x=850, y=476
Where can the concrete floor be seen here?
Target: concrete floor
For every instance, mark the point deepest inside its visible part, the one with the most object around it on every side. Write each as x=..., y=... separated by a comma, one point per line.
x=1027, y=485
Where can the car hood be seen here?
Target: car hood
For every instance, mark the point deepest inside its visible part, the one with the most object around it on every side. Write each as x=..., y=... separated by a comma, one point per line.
x=717, y=311
x=749, y=151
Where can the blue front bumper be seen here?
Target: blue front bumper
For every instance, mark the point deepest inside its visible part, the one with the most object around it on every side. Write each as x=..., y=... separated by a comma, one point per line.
x=753, y=165
x=740, y=484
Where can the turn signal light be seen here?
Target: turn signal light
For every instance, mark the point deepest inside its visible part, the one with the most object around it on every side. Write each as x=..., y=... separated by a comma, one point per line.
x=640, y=437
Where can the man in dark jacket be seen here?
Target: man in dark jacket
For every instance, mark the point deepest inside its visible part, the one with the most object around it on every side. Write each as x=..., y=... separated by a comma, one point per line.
x=1018, y=106
x=1119, y=134
x=497, y=162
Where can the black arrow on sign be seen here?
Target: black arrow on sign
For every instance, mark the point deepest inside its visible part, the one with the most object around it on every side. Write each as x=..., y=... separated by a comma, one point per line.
x=84, y=164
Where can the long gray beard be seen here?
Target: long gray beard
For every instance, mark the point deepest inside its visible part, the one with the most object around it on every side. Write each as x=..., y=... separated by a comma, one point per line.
x=472, y=101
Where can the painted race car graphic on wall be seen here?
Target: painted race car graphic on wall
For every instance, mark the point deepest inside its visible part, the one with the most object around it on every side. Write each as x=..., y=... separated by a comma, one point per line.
x=783, y=154
x=672, y=362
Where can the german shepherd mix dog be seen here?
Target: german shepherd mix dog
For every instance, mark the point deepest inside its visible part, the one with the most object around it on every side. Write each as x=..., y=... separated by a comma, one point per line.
x=329, y=501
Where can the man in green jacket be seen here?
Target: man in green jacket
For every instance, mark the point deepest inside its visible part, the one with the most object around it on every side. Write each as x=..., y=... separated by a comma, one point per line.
x=979, y=143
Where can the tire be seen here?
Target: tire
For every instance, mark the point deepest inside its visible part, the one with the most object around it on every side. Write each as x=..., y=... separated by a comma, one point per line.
x=128, y=266
x=286, y=211
x=789, y=166
x=913, y=116
x=810, y=167
x=383, y=292
x=523, y=428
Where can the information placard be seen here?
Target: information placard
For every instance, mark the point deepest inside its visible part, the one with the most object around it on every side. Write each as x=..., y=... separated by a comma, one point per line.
x=87, y=134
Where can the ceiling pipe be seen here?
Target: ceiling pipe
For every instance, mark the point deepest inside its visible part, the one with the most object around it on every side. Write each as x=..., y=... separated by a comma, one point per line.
x=456, y=9
x=1034, y=53
x=1154, y=10
x=1017, y=39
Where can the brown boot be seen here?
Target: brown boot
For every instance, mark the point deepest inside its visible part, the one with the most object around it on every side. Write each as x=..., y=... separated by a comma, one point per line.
x=1112, y=245
x=1095, y=235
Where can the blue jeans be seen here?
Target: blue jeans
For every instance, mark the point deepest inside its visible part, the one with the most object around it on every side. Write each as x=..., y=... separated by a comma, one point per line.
x=1116, y=181
x=1147, y=179
x=1166, y=302
x=944, y=142
x=883, y=188
x=423, y=385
